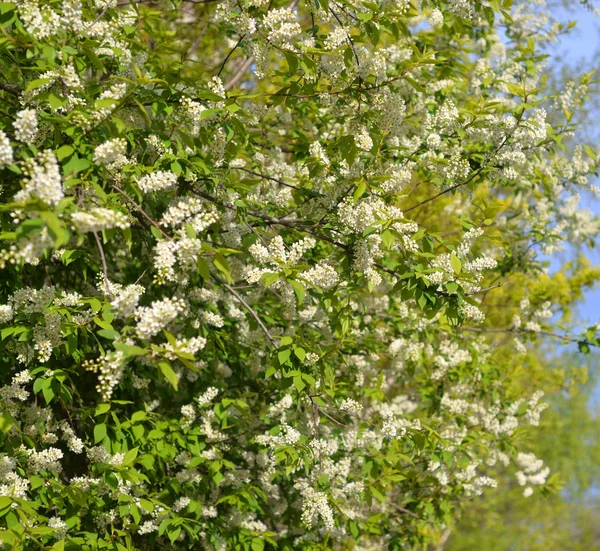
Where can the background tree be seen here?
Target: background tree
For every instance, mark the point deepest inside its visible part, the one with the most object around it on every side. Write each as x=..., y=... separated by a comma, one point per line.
x=568, y=441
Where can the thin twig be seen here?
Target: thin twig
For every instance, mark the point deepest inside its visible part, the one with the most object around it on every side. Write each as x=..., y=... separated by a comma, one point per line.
x=142, y=212
x=248, y=307
x=239, y=74
x=333, y=419
x=486, y=289
x=266, y=177
x=406, y=511
x=104, y=265
x=526, y=331
x=229, y=55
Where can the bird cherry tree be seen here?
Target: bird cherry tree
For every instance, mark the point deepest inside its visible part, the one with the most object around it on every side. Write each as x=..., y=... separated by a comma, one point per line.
x=268, y=267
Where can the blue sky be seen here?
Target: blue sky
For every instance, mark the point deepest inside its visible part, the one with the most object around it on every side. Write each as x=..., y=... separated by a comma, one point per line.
x=579, y=50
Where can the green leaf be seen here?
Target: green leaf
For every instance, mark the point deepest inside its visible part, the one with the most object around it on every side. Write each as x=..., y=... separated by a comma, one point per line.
x=76, y=165
x=100, y=432
x=101, y=409
x=223, y=266
x=299, y=290
x=284, y=355
x=203, y=269
x=360, y=190
x=64, y=152
x=37, y=83
x=130, y=457
x=455, y=263
x=129, y=349
x=139, y=416
x=167, y=371
x=299, y=383
x=300, y=353
x=7, y=421
x=378, y=494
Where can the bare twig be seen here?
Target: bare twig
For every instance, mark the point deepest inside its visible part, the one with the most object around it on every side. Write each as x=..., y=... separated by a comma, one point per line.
x=405, y=511
x=525, y=331
x=239, y=74
x=265, y=176
x=230, y=54
x=248, y=307
x=142, y=211
x=333, y=419
x=104, y=265
x=486, y=289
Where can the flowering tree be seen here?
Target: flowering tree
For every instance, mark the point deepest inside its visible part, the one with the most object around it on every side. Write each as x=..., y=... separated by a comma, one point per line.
x=269, y=269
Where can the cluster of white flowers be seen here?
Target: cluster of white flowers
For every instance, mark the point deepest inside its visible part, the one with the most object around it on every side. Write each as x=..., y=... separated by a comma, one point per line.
x=182, y=253
x=11, y=484
x=26, y=126
x=6, y=313
x=157, y=181
x=276, y=255
x=184, y=346
x=322, y=275
x=112, y=154
x=317, y=151
x=98, y=454
x=277, y=410
x=363, y=140
x=209, y=395
x=13, y=393
x=40, y=22
x=535, y=408
x=288, y=436
x=365, y=253
x=276, y=251
x=6, y=151
x=350, y=405
x=532, y=472
x=152, y=319
x=125, y=298
x=436, y=19
x=188, y=415
x=315, y=505
x=74, y=443
x=45, y=460
x=358, y=217
x=98, y=219
x=192, y=114
x=181, y=504
x=213, y=319
x=336, y=38
x=110, y=369
x=190, y=210
x=43, y=179
x=281, y=26
x=60, y=527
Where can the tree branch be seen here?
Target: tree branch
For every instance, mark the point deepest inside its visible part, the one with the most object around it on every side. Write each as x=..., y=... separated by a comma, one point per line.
x=526, y=331
x=10, y=89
